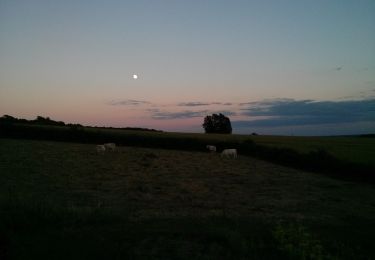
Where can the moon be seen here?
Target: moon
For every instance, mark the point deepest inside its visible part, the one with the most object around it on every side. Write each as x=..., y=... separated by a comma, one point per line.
x=135, y=76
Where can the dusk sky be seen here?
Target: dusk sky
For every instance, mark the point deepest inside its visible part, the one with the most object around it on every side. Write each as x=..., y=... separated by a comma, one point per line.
x=285, y=67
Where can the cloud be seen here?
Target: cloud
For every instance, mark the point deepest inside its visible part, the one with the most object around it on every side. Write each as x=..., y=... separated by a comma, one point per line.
x=127, y=102
x=156, y=114
x=265, y=102
x=287, y=112
x=165, y=115
x=225, y=113
x=247, y=103
x=195, y=104
x=338, y=68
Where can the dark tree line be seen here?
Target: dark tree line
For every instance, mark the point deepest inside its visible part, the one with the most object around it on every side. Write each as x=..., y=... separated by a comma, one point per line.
x=6, y=120
x=40, y=120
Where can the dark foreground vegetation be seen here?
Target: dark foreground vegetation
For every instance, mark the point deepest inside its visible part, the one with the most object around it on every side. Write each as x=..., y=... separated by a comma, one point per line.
x=62, y=200
x=317, y=159
x=7, y=120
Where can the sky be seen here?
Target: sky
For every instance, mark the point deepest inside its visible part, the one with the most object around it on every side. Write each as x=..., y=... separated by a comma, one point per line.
x=291, y=67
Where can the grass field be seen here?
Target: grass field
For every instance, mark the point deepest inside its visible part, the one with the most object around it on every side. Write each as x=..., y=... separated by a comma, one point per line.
x=349, y=148
x=64, y=201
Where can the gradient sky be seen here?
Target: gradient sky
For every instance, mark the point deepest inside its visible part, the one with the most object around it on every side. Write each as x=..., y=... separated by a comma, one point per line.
x=274, y=67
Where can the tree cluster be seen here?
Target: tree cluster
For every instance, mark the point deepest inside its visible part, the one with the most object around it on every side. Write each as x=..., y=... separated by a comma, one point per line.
x=40, y=120
x=217, y=123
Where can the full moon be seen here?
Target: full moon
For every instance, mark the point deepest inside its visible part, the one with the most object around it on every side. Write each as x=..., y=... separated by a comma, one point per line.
x=135, y=76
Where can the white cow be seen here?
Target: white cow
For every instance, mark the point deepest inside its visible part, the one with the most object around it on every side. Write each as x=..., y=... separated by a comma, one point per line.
x=211, y=148
x=110, y=146
x=100, y=148
x=229, y=153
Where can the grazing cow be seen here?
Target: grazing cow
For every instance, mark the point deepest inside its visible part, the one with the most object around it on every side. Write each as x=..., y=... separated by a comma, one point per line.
x=100, y=148
x=211, y=148
x=229, y=153
x=110, y=146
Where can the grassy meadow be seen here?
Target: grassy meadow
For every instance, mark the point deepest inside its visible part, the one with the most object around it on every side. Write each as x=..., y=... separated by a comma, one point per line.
x=344, y=152
x=61, y=200
x=355, y=149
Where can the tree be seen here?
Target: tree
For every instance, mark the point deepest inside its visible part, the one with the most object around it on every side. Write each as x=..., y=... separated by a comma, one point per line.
x=217, y=123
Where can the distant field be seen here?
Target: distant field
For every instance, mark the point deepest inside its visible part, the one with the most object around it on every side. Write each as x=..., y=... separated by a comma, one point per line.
x=350, y=148
x=63, y=200
x=353, y=149
x=359, y=150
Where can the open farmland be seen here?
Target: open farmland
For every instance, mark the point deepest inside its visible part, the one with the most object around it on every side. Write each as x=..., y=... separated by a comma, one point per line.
x=63, y=200
x=349, y=148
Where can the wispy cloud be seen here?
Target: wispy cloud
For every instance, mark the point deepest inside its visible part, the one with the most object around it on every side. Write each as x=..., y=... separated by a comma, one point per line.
x=225, y=112
x=265, y=102
x=127, y=102
x=165, y=115
x=338, y=68
x=156, y=114
x=287, y=112
x=195, y=104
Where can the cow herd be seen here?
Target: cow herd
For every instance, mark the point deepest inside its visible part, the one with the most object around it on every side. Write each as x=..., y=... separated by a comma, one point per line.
x=225, y=153
x=101, y=148
x=228, y=153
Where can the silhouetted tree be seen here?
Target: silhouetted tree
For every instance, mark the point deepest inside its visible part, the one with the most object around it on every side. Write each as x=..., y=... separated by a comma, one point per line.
x=217, y=123
x=47, y=121
x=8, y=118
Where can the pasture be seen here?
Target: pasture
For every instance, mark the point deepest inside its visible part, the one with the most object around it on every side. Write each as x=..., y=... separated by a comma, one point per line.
x=349, y=148
x=65, y=201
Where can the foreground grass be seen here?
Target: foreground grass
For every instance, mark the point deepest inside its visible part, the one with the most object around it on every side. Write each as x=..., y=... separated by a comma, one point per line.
x=62, y=200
